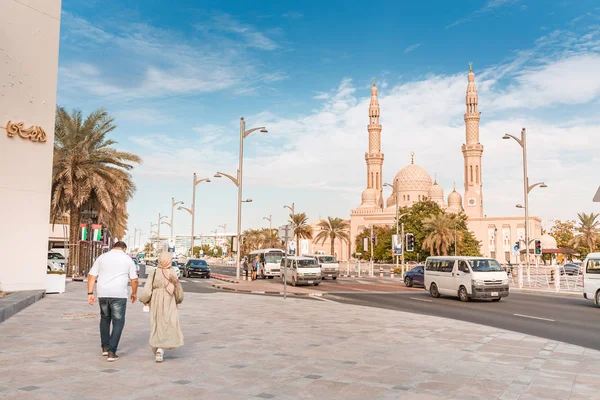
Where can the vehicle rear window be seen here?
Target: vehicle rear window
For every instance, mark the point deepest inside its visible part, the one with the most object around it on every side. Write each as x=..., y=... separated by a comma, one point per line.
x=198, y=263
x=327, y=259
x=593, y=267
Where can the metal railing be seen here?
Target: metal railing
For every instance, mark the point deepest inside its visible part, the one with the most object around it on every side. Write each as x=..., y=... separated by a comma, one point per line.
x=553, y=277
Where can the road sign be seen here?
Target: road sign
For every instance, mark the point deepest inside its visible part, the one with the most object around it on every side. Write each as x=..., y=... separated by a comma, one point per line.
x=285, y=232
x=396, y=245
x=516, y=248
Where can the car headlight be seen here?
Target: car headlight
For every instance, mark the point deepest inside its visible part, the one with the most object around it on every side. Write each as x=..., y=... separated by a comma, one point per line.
x=478, y=282
x=505, y=282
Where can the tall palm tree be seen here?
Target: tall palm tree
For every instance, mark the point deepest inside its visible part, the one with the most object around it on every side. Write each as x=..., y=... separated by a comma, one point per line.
x=301, y=227
x=89, y=172
x=440, y=233
x=332, y=229
x=588, y=231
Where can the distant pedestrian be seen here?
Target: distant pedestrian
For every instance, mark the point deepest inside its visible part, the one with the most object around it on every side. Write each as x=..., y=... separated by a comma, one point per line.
x=254, y=268
x=114, y=270
x=163, y=293
x=246, y=267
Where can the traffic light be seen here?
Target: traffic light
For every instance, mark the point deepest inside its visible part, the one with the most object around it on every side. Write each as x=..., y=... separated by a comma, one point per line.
x=410, y=242
x=374, y=240
x=538, y=247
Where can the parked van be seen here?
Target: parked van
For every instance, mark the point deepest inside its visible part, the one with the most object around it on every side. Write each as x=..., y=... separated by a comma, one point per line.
x=299, y=270
x=591, y=278
x=466, y=277
x=330, y=268
x=269, y=262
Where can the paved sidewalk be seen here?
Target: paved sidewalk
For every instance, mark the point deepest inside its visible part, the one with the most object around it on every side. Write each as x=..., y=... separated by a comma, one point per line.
x=242, y=346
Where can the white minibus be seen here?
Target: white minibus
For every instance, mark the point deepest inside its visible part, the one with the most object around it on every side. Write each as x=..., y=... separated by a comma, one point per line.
x=301, y=270
x=330, y=268
x=269, y=262
x=466, y=277
x=591, y=278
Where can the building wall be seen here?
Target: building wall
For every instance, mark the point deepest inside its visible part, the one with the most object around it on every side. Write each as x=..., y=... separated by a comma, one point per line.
x=499, y=234
x=29, y=37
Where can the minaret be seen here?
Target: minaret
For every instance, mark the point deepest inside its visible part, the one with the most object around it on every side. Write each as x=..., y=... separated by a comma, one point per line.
x=472, y=152
x=374, y=157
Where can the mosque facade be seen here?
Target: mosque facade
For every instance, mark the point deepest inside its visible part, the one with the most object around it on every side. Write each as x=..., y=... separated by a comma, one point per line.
x=413, y=183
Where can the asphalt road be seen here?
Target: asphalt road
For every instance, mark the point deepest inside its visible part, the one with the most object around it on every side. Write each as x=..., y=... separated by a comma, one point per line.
x=569, y=320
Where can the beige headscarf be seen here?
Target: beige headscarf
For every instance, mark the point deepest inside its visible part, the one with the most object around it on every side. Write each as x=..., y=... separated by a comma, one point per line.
x=164, y=265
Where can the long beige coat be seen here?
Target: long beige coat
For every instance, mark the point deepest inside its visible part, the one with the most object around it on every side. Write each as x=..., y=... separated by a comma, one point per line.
x=165, y=332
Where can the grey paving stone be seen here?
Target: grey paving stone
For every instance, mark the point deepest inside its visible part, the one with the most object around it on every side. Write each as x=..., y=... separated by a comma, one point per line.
x=182, y=382
x=49, y=361
x=265, y=396
x=110, y=371
x=313, y=376
x=400, y=387
x=350, y=362
x=238, y=366
x=30, y=388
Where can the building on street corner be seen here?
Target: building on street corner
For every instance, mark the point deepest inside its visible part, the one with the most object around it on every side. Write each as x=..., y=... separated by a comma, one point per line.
x=413, y=183
x=28, y=79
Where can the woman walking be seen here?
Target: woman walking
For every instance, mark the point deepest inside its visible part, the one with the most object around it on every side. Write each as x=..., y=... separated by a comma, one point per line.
x=163, y=293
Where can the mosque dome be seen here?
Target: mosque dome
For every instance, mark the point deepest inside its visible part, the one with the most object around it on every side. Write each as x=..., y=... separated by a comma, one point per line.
x=548, y=242
x=454, y=199
x=412, y=177
x=369, y=197
x=436, y=192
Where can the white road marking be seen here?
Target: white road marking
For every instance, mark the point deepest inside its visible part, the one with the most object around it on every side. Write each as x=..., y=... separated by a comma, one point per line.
x=415, y=298
x=529, y=316
x=324, y=299
x=181, y=280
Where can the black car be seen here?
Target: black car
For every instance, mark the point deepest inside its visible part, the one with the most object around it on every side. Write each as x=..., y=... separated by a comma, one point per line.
x=415, y=276
x=196, y=267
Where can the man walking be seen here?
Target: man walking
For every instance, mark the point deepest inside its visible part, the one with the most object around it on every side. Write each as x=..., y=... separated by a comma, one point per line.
x=114, y=270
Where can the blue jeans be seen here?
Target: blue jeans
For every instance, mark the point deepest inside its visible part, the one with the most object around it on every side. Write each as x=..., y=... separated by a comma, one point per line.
x=112, y=309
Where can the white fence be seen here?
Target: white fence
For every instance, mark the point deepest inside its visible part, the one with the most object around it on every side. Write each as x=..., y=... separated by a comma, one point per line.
x=552, y=277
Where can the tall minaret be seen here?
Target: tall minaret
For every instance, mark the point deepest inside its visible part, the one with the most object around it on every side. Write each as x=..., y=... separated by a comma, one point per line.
x=374, y=157
x=472, y=152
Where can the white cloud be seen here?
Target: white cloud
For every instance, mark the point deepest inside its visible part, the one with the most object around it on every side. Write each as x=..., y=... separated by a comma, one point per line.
x=412, y=47
x=153, y=62
x=292, y=15
x=490, y=6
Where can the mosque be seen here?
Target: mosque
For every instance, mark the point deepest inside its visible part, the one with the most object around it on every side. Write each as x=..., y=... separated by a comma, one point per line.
x=413, y=183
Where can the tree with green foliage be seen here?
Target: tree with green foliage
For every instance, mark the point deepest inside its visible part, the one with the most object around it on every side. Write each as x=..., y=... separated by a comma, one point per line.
x=301, y=228
x=563, y=232
x=442, y=231
x=332, y=229
x=587, y=234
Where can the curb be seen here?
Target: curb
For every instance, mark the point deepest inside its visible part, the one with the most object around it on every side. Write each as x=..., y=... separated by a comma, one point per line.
x=269, y=292
x=224, y=278
x=548, y=293
x=15, y=302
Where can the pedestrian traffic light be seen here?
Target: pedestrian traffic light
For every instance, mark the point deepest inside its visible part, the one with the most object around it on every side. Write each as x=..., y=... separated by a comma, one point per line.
x=374, y=240
x=410, y=242
x=538, y=247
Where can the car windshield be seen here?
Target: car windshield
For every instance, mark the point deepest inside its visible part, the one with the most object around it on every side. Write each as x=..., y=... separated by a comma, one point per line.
x=274, y=258
x=418, y=269
x=198, y=263
x=55, y=256
x=307, y=263
x=174, y=264
x=328, y=260
x=487, y=265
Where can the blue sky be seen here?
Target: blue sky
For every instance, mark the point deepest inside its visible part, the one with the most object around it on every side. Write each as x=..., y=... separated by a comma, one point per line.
x=177, y=79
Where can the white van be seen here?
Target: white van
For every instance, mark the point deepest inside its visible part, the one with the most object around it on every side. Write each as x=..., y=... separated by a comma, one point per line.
x=269, y=262
x=466, y=277
x=300, y=270
x=591, y=278
x=330, y=268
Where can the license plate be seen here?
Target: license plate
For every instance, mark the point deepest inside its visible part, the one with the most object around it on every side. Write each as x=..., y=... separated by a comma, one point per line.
x=329, y=275
x=494, y=293
x=309, y=282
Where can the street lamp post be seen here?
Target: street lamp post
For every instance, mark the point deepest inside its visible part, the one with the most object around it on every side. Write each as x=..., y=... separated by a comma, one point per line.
x=270, y=219
x=526, y=187
x=238, y=182
x=135, y=231
x=150, y=234
x=160, y=221
x=173, y=204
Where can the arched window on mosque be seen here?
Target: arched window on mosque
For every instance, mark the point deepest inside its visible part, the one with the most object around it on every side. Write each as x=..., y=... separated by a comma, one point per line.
x=408, y=197
x=477, y=173
x=471, y=168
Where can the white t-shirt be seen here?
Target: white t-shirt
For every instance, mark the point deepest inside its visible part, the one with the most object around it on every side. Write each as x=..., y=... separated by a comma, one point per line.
x=113, y=269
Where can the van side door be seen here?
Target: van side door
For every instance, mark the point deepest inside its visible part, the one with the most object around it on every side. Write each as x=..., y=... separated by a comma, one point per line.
x=446, y=277
x=462, y=276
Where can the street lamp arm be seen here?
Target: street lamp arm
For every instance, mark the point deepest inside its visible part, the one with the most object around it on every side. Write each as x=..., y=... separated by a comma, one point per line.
x=186, y=209
x=166, y=223
x=506, y=136
x=249, y=131
x=197, y=181
x=161, y=218
x=540, y=184
x=234, y=180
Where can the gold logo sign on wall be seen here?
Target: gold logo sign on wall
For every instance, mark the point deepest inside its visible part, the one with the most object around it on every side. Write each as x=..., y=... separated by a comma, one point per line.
x=33, y=133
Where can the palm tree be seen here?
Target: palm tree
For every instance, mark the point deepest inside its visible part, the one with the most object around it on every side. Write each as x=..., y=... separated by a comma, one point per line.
x=302, y=230
x=332, y=229
x=88, y=172
x=588, y=231
x=440, y=233
x=148, y=249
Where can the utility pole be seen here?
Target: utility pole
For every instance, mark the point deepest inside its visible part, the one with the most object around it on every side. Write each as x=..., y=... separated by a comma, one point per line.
x=372, y=245
x=270, y=219
x=403, y=248
x=173, y=204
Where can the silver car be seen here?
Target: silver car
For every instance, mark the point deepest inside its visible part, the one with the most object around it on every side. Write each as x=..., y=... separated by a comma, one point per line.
x=56, y=262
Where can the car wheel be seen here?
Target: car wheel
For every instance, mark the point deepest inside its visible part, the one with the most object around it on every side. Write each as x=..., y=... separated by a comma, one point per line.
x=598, y=298
x=408, y=282
x=316, y=283
x=208, y=276
x=498, y=299
x=433, y=290
x=334, y=278
x=462, y=294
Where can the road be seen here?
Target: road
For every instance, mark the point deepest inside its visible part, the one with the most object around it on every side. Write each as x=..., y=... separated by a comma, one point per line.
x=566, y=319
